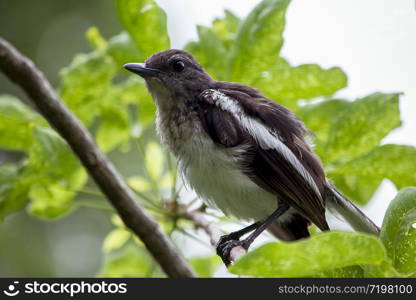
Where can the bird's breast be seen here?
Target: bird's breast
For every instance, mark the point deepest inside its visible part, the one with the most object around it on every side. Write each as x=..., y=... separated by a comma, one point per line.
x=214, y=173
x=212, y=170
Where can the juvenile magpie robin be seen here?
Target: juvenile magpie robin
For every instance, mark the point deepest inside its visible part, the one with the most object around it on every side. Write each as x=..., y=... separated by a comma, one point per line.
x=241, y=152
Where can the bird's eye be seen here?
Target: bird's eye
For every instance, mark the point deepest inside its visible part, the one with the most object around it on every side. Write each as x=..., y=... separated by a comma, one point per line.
x=178, y=66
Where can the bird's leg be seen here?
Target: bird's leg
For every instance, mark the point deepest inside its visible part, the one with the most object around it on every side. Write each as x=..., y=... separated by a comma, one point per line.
x=236, y=235
x=228, y=242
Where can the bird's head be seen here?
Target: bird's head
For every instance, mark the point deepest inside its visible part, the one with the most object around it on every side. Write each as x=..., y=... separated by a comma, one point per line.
x=172, y=75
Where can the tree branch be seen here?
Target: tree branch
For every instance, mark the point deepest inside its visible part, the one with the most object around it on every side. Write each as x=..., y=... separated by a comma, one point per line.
x=199, y=220
x=23, y=72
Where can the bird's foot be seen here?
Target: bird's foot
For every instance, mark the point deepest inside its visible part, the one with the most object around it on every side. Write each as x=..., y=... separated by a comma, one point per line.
x=226, y=244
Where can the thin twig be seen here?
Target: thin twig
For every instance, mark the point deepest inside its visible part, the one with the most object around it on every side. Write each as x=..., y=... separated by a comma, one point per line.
x=23, y=72
x=214, y=234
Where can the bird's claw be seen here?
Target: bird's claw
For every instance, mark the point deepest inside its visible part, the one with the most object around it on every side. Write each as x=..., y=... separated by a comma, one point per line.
x=225, y=245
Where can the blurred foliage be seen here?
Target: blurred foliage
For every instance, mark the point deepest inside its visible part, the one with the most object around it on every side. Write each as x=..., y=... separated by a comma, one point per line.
x=205, y=266
x=120, y=113
x=130, y=261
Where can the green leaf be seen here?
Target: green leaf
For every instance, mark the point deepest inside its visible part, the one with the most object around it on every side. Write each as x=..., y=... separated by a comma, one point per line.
x=359, y=189
x=167, y=181
x=255, y=60
x=135, y=92
x=214, y=44
x=50, y=151
x=16, y=121
x=50, y=176
x=395, y=162
x=14, y=189
x=117, y=221
x=226, y=28
x=405, y=260
x=146, y=23
x=132, y=92
x=385, y=269
x=58, y=175
x=362, y=126
x=205, y=266
x=139, y=184
x=123, y=50
x=95, y=39
x=130, y=261
x=286, y=84
x=116, y=239
x=398, y=231
x=50, y=200
x=85, y=83
x=346, y=272
x=114, y=128
x=319, y=117
x=210, y=52
x=258, y=41
x=319, y=253
x=154, y=160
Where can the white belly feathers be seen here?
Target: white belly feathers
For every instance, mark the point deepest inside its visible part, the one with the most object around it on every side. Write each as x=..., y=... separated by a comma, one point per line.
x=214, y=175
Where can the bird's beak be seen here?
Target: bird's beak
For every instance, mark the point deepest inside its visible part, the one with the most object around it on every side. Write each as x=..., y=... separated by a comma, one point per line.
x=141, y=69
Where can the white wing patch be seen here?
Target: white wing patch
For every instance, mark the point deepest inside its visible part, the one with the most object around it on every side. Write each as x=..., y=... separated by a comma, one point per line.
x=263, y=135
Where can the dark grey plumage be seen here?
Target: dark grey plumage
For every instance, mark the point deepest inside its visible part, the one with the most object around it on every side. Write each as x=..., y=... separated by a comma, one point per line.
x=259, y=141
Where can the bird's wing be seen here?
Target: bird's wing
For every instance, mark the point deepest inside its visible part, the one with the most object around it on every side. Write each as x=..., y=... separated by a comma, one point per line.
x=267, y=160
x=221, y=125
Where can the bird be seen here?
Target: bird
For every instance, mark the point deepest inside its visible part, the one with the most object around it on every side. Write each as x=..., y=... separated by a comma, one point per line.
x=242, y=153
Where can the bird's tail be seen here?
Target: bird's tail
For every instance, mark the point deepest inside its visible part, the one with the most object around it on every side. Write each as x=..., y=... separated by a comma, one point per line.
x=351, y=213
x=297, y=227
